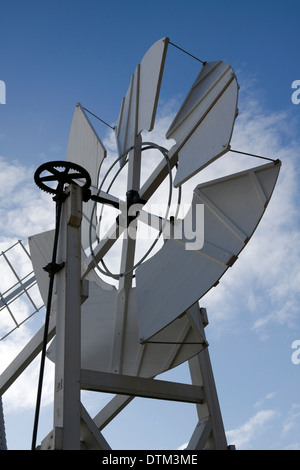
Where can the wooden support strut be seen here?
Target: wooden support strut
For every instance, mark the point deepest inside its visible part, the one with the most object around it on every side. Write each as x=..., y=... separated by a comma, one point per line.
x=139, y=386
x=67, y=406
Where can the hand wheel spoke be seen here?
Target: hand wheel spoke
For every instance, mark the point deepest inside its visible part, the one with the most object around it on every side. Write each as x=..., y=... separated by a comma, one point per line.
x=48, y=178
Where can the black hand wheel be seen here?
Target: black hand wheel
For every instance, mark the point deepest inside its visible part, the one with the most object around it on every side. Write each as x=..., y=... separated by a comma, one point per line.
x=63, y=173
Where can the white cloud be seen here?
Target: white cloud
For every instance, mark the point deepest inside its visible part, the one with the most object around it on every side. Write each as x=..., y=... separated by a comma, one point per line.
x=24, y=209
x=269, y=396
x=242, y=436
x=291, y=423
x=22, y=393
x=13, y=175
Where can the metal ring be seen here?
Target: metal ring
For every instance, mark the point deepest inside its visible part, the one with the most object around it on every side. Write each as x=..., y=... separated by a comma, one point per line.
x=165, y=154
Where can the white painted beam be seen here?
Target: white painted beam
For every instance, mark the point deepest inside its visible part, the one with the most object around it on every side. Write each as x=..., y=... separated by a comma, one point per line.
x=67, y=407
x=137, y=386
x=200, y=435
x=90, y=433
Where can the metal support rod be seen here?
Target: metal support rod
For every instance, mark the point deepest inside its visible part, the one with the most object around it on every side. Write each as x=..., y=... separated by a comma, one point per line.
x=47, y=319
x=97, y=117
x=254, y=155
x=188, y=53
x=105, y=200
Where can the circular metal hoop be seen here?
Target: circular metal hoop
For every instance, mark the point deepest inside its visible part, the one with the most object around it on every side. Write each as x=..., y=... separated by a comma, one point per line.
x=147, y=146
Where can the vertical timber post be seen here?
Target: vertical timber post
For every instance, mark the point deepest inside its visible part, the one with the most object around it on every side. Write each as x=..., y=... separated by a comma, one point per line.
x=209, y=413
x=68, y=331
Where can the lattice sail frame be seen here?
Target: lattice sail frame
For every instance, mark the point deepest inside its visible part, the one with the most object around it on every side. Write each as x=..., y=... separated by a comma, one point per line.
x=17, y=272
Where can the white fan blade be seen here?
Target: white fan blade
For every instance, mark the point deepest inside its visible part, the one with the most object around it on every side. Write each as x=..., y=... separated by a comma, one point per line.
x=86, y=149
x=151, y=71
x=203, y=126
x=98, y=331
x=139, y=106
x=176, y=277
x=41, y=248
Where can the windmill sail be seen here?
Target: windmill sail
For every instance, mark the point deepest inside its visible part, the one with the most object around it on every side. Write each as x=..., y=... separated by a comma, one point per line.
x=86, y=149
x=139, y=106
x=203, y=126
x=233, y=206
x=19, y=299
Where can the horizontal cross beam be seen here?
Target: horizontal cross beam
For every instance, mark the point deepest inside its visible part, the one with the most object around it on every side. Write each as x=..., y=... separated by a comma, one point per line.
x=139, y=386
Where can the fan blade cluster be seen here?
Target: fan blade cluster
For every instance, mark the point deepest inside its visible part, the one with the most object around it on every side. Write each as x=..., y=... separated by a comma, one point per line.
x=161, y=308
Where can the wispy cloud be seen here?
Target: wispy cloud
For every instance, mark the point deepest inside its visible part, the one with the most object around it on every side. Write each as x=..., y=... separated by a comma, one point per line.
x=22, y=393
x=291, y=423
x=24, y=209
x=242, y=436
x=269, y=396
x=284, y=423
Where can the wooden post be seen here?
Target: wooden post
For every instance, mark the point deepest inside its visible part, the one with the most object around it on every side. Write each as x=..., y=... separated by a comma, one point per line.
x=68, y=334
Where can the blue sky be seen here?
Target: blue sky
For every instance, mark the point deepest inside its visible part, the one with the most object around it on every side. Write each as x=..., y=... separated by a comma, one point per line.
x=55, y=54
